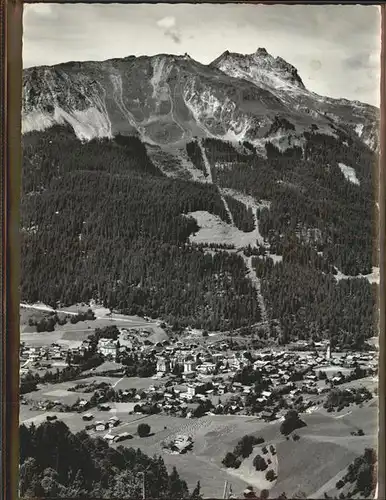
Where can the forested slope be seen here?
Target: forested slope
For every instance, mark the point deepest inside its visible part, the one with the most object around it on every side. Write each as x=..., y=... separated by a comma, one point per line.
x=100, y=221
x=55, y=463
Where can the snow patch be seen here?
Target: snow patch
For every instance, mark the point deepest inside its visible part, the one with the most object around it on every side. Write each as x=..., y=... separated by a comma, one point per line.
x=87, y=124
x=36, y=120
x=359, y=129
x=349, y=173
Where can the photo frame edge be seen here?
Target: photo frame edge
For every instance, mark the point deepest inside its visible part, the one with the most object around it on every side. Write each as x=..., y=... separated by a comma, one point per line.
x=10, y=125
x=11, y=69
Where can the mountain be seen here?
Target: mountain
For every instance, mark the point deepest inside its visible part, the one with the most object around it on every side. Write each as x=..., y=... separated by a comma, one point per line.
x=168, y=99
x=283, y=80
x=224, y=196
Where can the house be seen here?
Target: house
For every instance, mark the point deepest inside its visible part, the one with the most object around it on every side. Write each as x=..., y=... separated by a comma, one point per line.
x=87, y=416
x=192, y=390
x=163, y=365
x=113, y=421
x=122, y=437
x=100, y=426
x=206, y=368
x=108, y=348
x=268, y=416
x=189, y=366
x=182, y=443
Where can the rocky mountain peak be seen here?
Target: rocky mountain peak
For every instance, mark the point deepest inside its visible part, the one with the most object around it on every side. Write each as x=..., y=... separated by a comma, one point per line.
x=261, y=68
x=261, y=51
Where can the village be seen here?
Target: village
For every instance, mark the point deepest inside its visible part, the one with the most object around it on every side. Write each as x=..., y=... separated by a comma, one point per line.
x=190, y=379
x=190, y=396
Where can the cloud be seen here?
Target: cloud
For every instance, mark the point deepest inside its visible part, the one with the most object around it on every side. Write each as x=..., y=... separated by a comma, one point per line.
x=168, y=23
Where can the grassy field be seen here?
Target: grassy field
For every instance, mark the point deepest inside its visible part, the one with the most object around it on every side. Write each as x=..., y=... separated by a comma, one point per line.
x=73, y=334
x=324, y=450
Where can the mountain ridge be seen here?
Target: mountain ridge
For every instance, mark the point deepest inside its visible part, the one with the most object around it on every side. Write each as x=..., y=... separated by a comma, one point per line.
x=171, y=98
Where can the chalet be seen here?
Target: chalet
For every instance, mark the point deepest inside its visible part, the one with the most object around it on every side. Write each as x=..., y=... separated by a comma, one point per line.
x=163, y=365
x=87, y=417
x=189, y=365
x=100, y=426
x=122, y=437
x=113, y=422
x=206, y=368
x=108, y=348
x=249, y=493
x=268, y=416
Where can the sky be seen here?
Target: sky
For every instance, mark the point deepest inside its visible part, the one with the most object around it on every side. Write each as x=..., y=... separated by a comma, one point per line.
x=336, y=48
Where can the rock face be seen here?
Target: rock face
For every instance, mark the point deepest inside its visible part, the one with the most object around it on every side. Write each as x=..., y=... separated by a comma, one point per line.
x=168, y=99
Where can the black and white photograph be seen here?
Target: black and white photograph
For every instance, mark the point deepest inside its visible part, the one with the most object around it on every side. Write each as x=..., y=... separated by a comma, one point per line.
x=200, y=268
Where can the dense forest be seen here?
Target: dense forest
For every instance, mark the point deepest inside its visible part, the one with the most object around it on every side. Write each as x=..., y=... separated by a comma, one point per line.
x=100, y=221
x=310, y=304
x=309, y=195
x=55, y=463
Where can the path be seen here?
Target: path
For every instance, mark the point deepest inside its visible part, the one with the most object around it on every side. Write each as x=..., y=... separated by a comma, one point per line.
x=257, y=284
x=118, y=382
x=210, y=180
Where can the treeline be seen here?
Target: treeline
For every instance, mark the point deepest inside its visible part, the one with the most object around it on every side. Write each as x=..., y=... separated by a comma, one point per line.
x=242, y=216
x=47, y=323
x=110, y=227
x=55, y=463
x=312, y=305
x=361, y=476
x=225, y=152
x=338, y=399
